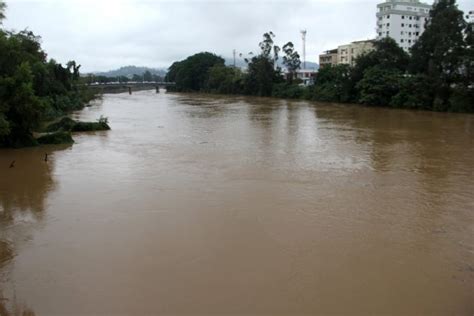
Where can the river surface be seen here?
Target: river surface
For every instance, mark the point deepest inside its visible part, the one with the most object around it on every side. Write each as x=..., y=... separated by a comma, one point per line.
x=198, y=204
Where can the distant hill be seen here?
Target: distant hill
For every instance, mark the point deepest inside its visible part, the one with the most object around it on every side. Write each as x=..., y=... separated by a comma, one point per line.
x=241, y=63
x=129, y=71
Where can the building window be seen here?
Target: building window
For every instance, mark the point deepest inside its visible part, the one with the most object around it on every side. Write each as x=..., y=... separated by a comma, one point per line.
x=403, y=25
x=380, y=33
x=403, y=17
x=409, y=25
x=409, y=41
x=417, y=33
x=388, y=24
x=411, y=18
x=402, y=40
x=401, y=33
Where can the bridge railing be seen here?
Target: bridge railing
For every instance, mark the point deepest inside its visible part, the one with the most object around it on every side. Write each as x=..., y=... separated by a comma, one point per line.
x=131, y=83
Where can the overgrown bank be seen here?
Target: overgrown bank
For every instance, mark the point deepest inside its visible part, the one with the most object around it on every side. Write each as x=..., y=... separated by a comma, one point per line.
x=437, y=75
x=32, y=88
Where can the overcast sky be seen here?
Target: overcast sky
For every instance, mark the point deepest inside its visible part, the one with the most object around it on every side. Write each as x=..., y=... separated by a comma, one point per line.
x=106, y=34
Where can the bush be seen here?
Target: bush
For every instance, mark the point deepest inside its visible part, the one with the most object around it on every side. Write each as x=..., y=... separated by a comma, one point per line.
x=69, y=125
x=65, y=124
x=56, y=138
x=287, y=91
x=462, y=100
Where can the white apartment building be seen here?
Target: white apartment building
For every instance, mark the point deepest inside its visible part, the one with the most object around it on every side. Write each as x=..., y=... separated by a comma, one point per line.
x=402, y=20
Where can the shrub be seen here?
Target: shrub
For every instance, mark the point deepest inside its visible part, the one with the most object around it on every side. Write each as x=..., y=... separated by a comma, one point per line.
x=56, y=138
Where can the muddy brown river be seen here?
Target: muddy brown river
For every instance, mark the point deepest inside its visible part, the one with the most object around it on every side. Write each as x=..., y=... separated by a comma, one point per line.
x=200, y=205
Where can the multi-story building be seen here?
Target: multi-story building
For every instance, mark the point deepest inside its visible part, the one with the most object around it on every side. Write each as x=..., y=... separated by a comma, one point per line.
x=402, y=20
x=328, y=58
x=347, y=54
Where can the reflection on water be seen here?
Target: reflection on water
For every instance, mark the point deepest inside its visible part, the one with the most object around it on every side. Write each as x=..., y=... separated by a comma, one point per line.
x=196, y=204
x=23, y=192
x=8, y=308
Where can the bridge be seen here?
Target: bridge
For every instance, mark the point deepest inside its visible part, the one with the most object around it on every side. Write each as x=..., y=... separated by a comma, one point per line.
x=131, y=85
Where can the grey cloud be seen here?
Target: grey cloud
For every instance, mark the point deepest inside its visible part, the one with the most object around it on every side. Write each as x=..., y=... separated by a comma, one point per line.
x=108, y=34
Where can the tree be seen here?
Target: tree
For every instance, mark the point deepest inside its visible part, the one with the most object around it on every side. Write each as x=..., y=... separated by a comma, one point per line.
x=379, y=85
x=147, y=76
x=386, y=55
x=266, y=45
x=3, y=6
x=32, y=89
x=224, y=79
x=262, y=73
x=291, y=60
x=137, y=78
x=21, y=108
x=192, y=73
x=439, y=51
x=414, y=92
x=73, y=68
x=333, y=84
x=260, y=76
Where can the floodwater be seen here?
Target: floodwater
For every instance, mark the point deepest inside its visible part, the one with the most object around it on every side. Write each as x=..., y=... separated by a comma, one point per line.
x=197, y=204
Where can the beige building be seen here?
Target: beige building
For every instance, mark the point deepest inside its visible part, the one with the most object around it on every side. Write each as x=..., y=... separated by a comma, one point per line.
x=328, y=58
x=347, y=54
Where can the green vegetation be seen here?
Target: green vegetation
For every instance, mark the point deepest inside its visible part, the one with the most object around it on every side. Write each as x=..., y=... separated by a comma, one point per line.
x=437, y=75
x=67, y=124
x=206, y=72
x=100, y=125
x=56, y=138
x=33, y=89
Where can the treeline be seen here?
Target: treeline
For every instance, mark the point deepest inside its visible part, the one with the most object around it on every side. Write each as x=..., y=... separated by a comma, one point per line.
x=437, y=75
x=32, y=88
x=207, y=72
x=147, y=76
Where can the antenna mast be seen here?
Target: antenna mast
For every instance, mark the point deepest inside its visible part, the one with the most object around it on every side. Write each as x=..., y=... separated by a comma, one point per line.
x=303, y=35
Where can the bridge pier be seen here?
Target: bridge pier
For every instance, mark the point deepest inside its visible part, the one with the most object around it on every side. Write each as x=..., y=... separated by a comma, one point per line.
x=157, y=89
x=130, y=90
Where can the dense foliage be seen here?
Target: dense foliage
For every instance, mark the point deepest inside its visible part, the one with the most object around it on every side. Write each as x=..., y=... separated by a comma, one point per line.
x=206, y=72
x=32, y=89
x=437, y=75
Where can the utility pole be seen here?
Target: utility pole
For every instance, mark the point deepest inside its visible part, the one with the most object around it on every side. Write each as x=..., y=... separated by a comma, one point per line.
x=303, y=35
